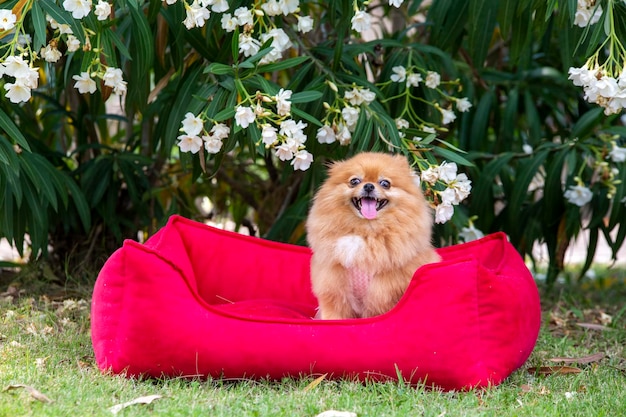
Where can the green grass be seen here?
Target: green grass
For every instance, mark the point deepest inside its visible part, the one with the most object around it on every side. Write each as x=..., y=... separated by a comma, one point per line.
x=45, y=344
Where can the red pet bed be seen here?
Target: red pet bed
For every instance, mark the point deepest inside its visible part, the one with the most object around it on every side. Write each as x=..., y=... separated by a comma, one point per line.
x=197, y=301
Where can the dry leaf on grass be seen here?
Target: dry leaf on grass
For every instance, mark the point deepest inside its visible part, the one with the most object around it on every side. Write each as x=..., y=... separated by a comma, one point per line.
x=596, y=357
x=141, y=400
x=37, y=395
x=554, y=370
x=335, y=413
x=315, y=383
x=593, y=326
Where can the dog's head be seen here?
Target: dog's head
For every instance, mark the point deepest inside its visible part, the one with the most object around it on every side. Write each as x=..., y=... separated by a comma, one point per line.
x=370, y=184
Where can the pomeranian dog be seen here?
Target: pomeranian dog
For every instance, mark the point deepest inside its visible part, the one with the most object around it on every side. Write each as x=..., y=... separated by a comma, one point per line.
x=369, y=229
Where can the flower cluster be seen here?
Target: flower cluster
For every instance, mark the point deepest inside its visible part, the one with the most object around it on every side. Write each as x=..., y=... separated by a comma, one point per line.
x=457, y=187
x=343, y=114
x=601, y=87
x=195, y=136
x=26, y=74
x=245, y=20
x=603, y=80
x=414, y=76
x=604, y=171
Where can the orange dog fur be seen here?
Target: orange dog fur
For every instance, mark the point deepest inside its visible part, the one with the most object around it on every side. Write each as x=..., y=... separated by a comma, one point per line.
x=369, y=229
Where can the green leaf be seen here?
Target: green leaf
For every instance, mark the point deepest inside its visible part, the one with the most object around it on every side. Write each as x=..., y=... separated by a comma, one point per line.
x=481, y=23
x=225, y=114
x=282, y=65
x=13, y=131
x=525, y=173
x=39, y=26
x=452, y=156
x=82, y=207
x=306, y=96
x=306, y=116
x=220, y=69
x=586, y=123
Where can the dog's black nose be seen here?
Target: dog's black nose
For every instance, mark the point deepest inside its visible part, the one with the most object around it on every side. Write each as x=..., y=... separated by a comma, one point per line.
x=369, y=187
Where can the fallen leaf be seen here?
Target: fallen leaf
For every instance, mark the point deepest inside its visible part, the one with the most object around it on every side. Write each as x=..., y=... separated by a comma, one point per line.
x=554, y=370
x=148, y=399
x=596, y=357
x=335, y=413
x=593, y=326
x=37, y=395
x=315, y=383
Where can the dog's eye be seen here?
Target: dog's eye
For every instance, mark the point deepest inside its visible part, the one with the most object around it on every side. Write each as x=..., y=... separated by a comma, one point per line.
x=385, y=184
x=354, y=182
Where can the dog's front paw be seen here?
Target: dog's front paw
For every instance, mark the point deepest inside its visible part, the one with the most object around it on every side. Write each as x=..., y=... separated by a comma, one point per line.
x=348, y=248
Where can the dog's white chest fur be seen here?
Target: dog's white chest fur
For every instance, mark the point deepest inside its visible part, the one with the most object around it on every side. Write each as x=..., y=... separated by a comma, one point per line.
x=348, y=249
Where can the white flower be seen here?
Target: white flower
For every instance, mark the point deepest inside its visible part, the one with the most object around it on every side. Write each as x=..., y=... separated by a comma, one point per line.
x=189, y=143
x=289, y=6
x=113, y=77
x=302, y=160
x=212, y=144
x=396, y=3
x=102, y=10
x=78, y=8
x=447, y=116
x=463, y=104
x=283, y=105
x=447, y=171
x=587, y=13
x=433, y=79
x=284, y=152
x=470, y=233
x=196, y=15
x=361, y=21
x=244, y=116
x=343, y=135
x=355, y=96
x=17, y=92
x=248, y=46
x=431, y=175
x=192, y=125
x=219, y=6
x=229, y=23
x=578, y=194
x=325, y=134
x=15, y=66
x=402, y=123
x=7, y=20
x=268, y=135
x=413, y=80
x=84, y=83
x=462, y=187
x=281, y=41
x=443, y=213
x=528, y=149
x=351, y=116
x=448, y=196
x=293, y=130
x=73, y=44
x=617, y=154
x=50, y=53
x=305, y=24
x=580, y=76
x=220, y=131
x=244, y=16
x=399, y=74
x=272, y=8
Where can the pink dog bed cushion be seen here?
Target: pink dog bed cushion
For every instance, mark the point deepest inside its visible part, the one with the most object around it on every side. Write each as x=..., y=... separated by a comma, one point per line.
x=197, y=301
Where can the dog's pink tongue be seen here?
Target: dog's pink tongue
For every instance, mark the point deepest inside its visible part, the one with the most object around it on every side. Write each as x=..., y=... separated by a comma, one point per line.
x=368, y=208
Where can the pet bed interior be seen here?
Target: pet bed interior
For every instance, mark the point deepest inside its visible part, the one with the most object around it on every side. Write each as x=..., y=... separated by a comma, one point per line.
x=196, y=301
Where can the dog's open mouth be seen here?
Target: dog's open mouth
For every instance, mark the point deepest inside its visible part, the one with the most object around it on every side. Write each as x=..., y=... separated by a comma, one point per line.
x=368, y=207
